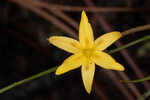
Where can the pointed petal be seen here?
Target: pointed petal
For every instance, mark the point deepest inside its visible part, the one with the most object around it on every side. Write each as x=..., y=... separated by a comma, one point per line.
x=85, y=31
x=70, y=63
x=106, y=40
x=65, y=43
x=88, y=70
x=106, y=61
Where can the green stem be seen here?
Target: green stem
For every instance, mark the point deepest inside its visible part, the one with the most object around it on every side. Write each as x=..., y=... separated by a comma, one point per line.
x=136, y=29
x=54, y=68
x=27, y=80
x=129, y=44
x=137, y=81
x=144, y=96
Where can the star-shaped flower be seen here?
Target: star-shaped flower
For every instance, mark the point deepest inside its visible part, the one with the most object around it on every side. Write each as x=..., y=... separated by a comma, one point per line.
x=87, y=52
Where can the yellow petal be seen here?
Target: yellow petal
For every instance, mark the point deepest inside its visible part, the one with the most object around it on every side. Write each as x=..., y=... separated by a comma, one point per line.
x=70, y=63
x=85, y=31
x=87, y=71
x=65, y=43
x=106, y=61
x=106, y=40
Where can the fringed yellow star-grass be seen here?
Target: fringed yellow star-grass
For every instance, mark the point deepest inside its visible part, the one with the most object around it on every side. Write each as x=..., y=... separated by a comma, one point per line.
x=87, y=52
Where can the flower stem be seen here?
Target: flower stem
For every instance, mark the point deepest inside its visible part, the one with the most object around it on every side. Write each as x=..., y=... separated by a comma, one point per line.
x=144, y=96
x=129, y=44
x=137, y=81
x=136, y=29
x=27, y=80
x=54, y=68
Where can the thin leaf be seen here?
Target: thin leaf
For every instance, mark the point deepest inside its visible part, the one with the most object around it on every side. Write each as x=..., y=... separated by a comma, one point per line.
x=137, y=81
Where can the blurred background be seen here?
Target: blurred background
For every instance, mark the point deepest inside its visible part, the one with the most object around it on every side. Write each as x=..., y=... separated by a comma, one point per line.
x=27, y=24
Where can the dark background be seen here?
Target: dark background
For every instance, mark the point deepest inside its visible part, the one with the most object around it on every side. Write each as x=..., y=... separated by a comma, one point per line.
x=25, y=51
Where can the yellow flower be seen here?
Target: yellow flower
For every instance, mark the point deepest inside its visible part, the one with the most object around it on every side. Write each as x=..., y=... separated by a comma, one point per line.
x=87, y=52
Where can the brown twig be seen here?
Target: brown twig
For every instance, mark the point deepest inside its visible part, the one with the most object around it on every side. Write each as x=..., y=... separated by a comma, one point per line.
x=93, y=9
x=99, y=91
x=58, y=13
x=70, y=21
x=45, y=15
x=124, y=90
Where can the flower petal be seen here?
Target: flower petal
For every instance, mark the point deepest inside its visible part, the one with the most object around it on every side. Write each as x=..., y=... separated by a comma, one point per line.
x=65, y=43
x=106, y=40
x=87, y=71
x=70, y=63
x=85, y=31
x=106, y=61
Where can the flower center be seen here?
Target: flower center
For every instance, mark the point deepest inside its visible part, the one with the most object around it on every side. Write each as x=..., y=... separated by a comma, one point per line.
x=87, y=52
